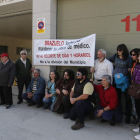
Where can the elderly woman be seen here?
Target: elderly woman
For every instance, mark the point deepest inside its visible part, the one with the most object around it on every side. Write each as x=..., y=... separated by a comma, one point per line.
x=108, y=100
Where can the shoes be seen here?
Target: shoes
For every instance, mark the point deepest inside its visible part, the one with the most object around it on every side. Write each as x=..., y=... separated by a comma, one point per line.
x=137, y=137
x=39, y=105
x=31, y=104
x=136, y=130
x=45, y=106
x=127, y=120
x=103, y=121
x=20, y=101
x=8, y=106
x=134, y=122
x=112, y=123
x=66, y=115
x=77, y=125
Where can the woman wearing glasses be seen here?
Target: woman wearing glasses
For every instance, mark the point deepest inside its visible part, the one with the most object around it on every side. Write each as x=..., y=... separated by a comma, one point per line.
x=50, y=95
x=134, y=55
x=122, y=65
x=136, y=79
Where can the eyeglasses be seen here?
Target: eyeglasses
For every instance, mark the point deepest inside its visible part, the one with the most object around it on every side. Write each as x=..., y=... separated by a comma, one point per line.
x=66, y=75
x=119, y=50
x=78, y=74
x=23, y=53
x=133, y=54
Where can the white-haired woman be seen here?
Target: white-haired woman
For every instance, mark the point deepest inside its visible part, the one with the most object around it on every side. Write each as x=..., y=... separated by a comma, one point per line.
x=108, y=100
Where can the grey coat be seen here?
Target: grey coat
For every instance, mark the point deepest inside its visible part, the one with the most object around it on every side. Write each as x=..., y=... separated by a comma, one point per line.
x=7, y=73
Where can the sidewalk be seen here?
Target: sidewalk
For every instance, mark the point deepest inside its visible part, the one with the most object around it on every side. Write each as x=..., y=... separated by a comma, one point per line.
x=21, y=122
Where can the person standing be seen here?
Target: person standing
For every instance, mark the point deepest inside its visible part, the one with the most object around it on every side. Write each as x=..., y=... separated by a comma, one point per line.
x=122, y=66
x=23, y=73
x=102, y=67
x=7, y=75
x=134, y=55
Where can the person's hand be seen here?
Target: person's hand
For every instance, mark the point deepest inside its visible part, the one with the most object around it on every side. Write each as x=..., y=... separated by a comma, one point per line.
x=65, y=92
x=32, y=69
x=92, y=70
x=29, y=94
x=57, y=91
x=91, y=81
x=100, y=112
x=47, y=96
x=72, y=100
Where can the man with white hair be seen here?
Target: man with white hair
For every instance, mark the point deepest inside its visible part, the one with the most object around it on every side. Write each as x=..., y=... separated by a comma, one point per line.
x=102, y=67
x=36, y=90
x=23, y=73
x=7, y=75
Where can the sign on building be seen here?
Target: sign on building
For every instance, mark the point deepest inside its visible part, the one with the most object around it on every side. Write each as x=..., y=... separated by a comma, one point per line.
x=77, y=52
x=40, y=25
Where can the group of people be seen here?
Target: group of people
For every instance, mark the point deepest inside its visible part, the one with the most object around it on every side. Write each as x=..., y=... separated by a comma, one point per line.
x=75, y=97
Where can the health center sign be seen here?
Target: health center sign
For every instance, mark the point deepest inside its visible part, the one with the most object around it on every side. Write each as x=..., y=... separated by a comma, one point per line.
x=77, y=52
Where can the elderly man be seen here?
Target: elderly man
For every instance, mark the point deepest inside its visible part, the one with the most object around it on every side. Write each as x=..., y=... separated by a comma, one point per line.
x=80, y=98
x=63, y=89
x=23, y=73
x=7, y=75
x=102, y=67
x=36, y=90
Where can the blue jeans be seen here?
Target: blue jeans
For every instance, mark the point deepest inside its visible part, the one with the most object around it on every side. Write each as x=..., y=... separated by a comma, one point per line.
x=107, y=115
x=48, y=102
x=36, y=98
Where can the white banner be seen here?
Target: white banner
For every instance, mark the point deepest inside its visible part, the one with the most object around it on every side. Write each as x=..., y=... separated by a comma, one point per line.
x=76, y=52
x=5, y=2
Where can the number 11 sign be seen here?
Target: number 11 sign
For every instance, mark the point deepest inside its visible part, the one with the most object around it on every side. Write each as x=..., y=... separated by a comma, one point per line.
x=127, y=23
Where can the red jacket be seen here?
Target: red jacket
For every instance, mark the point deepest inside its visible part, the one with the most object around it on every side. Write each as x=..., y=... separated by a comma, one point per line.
x=107, y=97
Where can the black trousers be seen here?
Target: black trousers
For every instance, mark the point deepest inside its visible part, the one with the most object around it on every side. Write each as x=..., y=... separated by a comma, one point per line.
x=79, y=109
x=137, y=106
x=128, y=102
x=6, y=95
x=21, y=82
x=65, y=106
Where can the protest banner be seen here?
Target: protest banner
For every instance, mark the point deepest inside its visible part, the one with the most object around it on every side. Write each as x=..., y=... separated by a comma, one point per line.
x=75, y=52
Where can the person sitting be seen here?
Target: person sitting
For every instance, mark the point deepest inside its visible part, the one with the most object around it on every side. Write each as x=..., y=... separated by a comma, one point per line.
x=80, y=98
x=108, y=100
x=36, y=90
x=50, y=96
x=63, y=89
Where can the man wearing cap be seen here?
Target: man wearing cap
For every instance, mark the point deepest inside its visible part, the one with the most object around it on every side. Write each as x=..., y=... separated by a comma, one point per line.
x=36, y=90
x=23, y=73
x=7, y=75
x=80, y=98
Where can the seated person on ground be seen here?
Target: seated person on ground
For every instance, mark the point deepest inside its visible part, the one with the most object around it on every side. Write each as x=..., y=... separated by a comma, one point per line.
x=63, y=89
x=80, y=98
x=50, y=95
x=108, y=100
x=36, y=90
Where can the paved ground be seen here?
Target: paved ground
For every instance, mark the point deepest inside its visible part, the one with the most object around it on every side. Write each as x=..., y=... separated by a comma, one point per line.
x=30, y=123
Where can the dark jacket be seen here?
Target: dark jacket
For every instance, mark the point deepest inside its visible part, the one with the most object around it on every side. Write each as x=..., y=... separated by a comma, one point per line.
x=62, y=84
x=7, y=73
x=40, y=86
x=21, y=70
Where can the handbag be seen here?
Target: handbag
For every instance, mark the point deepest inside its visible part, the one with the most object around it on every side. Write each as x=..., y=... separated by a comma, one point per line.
x=57, y=104
x=134, y=88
